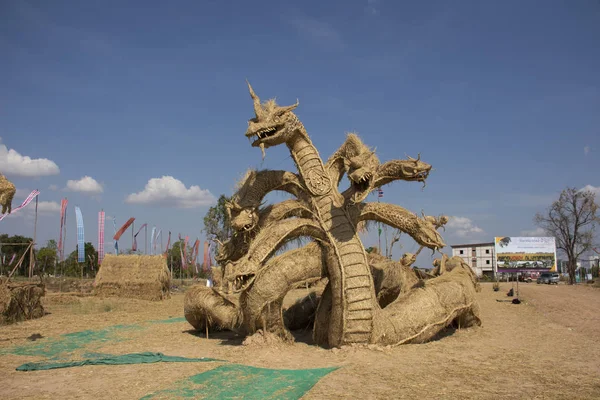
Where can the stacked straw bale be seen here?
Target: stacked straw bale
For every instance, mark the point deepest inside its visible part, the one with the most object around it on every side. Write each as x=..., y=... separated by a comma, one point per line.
x=20, y=301
x=133, y=276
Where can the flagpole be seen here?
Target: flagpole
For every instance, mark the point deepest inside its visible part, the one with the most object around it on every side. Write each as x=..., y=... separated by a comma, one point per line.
x=132, y=230
x=146, y=240
x=31, y=260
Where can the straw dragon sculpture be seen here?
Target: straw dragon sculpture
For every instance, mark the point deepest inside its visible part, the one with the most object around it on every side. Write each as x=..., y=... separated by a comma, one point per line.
x=366, y=300
x=7, y=192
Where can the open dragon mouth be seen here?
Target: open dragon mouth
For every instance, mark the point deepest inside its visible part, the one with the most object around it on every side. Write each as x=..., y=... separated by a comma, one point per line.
x=265, y=133
x=242, y=282
x=247, y=227
x=361, y=184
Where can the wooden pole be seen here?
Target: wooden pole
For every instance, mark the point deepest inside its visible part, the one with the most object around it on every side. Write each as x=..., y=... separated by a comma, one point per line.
x=31, y=259
x=132, y=225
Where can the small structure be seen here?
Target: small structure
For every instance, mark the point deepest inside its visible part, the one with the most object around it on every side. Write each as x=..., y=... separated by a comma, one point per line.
x=20, y=301
x=479, y=256
x=139, y=277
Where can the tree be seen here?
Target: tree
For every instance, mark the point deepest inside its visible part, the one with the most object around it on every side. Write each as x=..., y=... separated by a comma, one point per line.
x=572, y=221
x=90, y=265
x=216, y=222
x=47, y=256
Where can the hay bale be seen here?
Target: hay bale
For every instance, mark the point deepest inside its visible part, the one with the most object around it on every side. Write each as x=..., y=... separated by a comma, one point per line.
x=133, y=276
x=20, y=301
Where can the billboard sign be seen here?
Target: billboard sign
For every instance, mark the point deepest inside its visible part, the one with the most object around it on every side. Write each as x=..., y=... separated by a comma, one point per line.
x=525, y=254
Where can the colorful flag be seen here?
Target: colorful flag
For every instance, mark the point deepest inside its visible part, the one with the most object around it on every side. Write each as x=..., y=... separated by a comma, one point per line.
x=63, y=218
x=100, y=237
x=158, y=234
x=80, y=236
x=379, y=192
x=12, y=259
x=28, y=200
x=134, y=246
x=152, y=238
x=123, y=228
x=195, y=249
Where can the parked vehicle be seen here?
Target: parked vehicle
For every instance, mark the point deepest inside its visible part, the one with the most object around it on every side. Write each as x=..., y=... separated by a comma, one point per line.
x=548, y=278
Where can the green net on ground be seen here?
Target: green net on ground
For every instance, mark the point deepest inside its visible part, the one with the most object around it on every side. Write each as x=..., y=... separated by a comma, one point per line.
x=107, y=359
x=234, y=381
x=70, y=342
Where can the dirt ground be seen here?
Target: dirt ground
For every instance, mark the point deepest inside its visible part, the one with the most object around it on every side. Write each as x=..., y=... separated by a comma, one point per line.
x=544, y=348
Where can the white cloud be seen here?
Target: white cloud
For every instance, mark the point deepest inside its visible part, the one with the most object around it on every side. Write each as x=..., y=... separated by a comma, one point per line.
x=48, y=208
x=586, y=150
x=87, y=185
x=537, y=232
x=13, y=163
x=45, y=208
x=463, y=226
x=171, y=192
x=593, y=189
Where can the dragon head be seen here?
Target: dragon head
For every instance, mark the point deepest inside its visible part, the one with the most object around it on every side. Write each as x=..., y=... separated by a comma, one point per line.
x=242, y=219
x=272, y=124
x=360, y=164
x=240, y=274
x=428, y=236
x=414, y=169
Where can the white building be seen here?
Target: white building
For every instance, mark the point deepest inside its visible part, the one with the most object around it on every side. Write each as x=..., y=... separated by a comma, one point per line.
x=480, y=256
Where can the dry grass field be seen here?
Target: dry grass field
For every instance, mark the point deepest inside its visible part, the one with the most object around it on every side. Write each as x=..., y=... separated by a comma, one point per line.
x=544, y=348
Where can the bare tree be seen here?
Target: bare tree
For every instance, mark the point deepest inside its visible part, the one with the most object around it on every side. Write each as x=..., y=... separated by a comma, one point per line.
x=572, y=221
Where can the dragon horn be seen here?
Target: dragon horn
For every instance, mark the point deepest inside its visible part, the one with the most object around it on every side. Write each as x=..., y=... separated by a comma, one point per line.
x=257, y=106
x=283, y=110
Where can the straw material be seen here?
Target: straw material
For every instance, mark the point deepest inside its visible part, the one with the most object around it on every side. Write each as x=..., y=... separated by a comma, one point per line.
x=422, y=313
x=20, y=301
x=133, y=276
x=203, y=305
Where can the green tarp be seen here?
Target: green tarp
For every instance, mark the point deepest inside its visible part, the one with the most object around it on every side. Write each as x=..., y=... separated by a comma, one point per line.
x=133, y=358
x=232, y=381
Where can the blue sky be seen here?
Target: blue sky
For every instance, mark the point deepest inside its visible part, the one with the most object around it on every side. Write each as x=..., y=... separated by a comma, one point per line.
x=502, y=98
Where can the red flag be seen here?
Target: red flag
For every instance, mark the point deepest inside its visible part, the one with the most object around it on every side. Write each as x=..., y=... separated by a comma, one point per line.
x=123, y=228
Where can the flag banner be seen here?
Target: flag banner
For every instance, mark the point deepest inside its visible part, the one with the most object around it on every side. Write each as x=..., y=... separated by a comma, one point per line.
x=195, y=254
x=158, y=234
x=152, y=238
x=134, y=247
x=63, y=217
x=168, y=243
x=80, y=236
x=123, y=228
x=187, y=238
x=100, y=237
x=182, y=259
x=28, y=200
x=12, y=259
x=206, y=260
x=379, y=192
